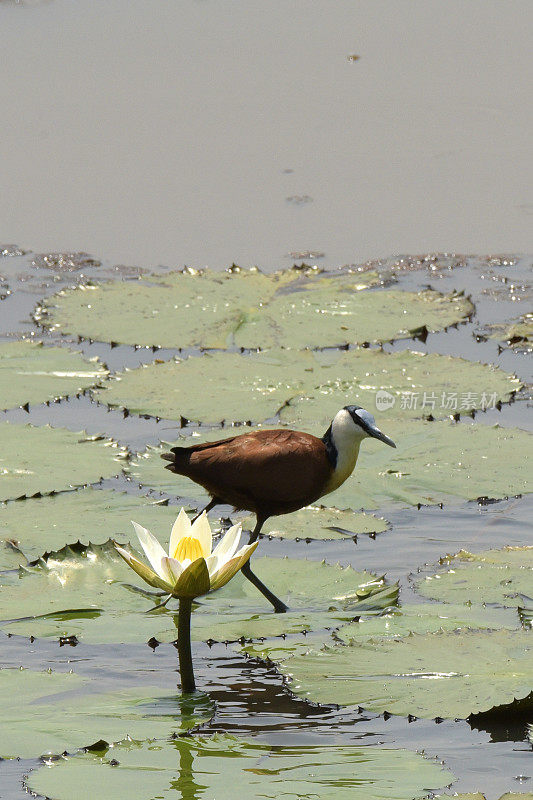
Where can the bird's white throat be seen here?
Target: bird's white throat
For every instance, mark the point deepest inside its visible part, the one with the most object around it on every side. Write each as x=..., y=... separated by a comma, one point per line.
x=346, y=438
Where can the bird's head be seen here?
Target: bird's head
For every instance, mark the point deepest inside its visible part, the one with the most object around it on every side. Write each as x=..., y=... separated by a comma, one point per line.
x=365, y=424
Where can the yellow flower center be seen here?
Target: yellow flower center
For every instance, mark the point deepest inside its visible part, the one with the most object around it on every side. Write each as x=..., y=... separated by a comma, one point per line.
x=188, y=547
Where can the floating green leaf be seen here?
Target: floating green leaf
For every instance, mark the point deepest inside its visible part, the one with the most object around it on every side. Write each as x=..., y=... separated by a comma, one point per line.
x=424, y=618
x=89, y=592
x=212, y=767
x=32, y=373
x=248, y=308
x=320, y=523
x=49, y=523
x=50, y=712
x=181, y=309
x=238, y=388
x=451, y=674
x=494, y=576
x=44, y=460
x=335, y=316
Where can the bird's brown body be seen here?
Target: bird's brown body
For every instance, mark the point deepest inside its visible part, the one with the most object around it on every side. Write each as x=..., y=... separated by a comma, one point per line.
x=268, y=472
x=274, y=472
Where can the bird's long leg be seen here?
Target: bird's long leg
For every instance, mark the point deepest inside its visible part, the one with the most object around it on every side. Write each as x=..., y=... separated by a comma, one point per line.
x=212, y=503
x=279, y=606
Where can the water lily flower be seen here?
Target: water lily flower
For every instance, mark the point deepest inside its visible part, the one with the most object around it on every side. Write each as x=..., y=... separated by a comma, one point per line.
x=191, y=568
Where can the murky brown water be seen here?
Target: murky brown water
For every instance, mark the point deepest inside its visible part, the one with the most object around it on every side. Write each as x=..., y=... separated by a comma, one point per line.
x=207, y=132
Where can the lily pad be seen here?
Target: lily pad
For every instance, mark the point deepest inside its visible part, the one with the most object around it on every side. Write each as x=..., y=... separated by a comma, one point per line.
x=180, y=309
x=452, y=674
x=44, y=460
x=249, y=309
x=424, y=618
x=319, y=523
x=494, y=576
x=50, y=712
x=90, y=592
x=238, y=388
x=49, y=523
x=335, y=316
x=32, y=373
x=209, y=767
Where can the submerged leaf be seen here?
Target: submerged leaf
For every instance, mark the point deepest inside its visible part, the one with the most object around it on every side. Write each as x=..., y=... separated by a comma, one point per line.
x=424, y=618
x=49, y=712
x=213, y=767
x=320, y=523
x=493, y=576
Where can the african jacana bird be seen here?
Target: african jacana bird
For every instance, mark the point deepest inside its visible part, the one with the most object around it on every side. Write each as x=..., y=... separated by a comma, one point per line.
x=272, y=472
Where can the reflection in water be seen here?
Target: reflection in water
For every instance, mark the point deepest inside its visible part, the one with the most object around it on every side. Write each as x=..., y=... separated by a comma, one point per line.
x=186, y=786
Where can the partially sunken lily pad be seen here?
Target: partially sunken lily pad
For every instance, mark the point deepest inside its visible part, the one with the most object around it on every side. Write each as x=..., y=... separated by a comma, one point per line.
x=450, y=674
x=434, y=462
x=44, y=460
x=90, y=592
x=239, y=388
x=494, y=576
x=249, y=309
x=49, y=523
x=32, y=373
x=516, y=333
x=320, y=523
x=50, y=712
x=214, y=767
x=424, y=618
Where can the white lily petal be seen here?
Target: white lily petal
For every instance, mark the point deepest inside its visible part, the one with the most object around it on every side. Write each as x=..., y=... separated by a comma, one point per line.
x=212, y=563
x=182, y=527
x=174, y=568
x=152, y=548
x=228, y=545
x=145, y=572
x=201, y=530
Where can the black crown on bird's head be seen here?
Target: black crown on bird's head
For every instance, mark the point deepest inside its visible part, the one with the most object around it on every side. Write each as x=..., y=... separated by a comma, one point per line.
x=365, y=420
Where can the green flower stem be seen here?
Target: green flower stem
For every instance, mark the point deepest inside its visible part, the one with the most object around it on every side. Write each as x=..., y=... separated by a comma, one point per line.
x=188, y=685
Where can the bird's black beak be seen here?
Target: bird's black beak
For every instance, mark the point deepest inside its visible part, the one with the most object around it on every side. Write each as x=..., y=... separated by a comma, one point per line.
x=377, y=434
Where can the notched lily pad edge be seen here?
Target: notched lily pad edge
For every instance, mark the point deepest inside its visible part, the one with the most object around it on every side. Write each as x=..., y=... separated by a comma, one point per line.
x=43, y=308
x=62, y=397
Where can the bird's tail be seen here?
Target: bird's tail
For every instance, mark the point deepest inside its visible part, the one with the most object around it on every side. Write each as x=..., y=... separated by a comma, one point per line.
x=176, y=457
